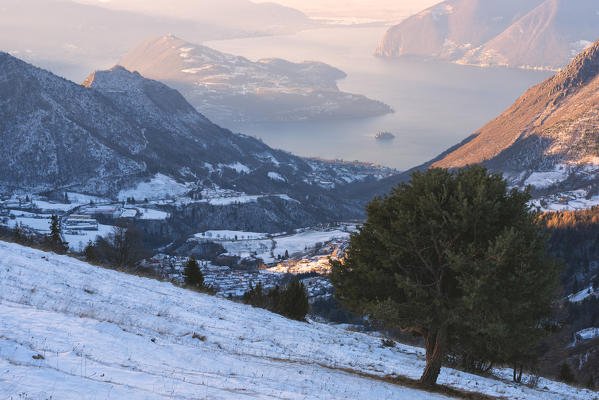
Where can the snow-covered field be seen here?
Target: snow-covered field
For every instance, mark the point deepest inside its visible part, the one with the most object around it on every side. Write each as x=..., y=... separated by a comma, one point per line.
x=74, y=331
x=268, y=247
x=77, y=241
x=159, y=187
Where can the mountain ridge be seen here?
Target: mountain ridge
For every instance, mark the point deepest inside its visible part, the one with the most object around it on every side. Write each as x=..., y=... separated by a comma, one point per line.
x=532, y=34
x=121, y=129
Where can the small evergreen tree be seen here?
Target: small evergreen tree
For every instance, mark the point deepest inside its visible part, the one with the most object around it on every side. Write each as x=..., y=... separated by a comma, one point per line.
x=125, y=245
x=192, y=274
x=91, y=252
x=255, y=296
x=590, y=383
x=54, y=239
x=565, y=373
x=294, y=301
x=291, y=302
x=18, y=233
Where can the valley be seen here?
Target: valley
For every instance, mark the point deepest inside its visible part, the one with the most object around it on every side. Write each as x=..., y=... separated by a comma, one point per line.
x=232, y=199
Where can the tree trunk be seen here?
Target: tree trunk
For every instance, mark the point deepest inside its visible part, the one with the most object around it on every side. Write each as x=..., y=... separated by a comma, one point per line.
x=518, y=373
x=435, y=351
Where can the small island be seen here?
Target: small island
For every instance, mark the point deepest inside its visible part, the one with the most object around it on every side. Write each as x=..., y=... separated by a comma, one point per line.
x=384, y=136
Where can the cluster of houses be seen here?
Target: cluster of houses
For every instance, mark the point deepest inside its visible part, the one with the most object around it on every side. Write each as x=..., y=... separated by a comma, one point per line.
x=317, y=262
x=226, y=281
x=76, y=223
x=232, y=281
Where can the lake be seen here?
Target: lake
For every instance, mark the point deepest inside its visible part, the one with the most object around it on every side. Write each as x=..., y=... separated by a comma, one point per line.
x=436, y=104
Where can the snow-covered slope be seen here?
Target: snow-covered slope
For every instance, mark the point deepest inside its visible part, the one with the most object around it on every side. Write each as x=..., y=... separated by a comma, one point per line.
x=71, y=330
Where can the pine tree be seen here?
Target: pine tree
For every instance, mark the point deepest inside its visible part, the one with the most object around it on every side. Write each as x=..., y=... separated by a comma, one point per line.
x=54, y=239
x=565, y=373
x=19, y=235
x=192, y=274
x=439, y=256
x=294, y=301
x=590, y=383
x=91, y=252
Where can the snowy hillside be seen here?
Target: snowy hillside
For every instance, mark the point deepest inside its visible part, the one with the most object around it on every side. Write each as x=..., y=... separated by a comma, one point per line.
x=71, y=330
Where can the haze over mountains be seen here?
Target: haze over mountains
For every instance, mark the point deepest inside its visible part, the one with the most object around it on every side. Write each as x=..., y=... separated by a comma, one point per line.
x=238, y=15
x=359, y=11
x=230, y=88
x=517, y=33
x=72, y=38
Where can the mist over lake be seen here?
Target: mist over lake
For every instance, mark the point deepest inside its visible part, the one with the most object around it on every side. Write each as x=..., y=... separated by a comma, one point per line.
x=436, y=104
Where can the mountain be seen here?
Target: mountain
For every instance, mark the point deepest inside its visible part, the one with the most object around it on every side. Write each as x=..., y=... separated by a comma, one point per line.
x=548, y=137
x=69, y=329
x=226, y=87
x=119, y=130
x=543, y=34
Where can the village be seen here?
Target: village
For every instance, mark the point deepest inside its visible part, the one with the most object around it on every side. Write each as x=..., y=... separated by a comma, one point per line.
x=310, y=266
x=271, y=259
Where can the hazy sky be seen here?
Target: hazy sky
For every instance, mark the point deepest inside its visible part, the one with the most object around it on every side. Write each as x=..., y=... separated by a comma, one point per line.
x=372, y=9
x=376, y=9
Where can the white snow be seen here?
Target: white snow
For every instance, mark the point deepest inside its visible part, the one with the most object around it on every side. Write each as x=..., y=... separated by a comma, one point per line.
x=239, y=167
x=297, y=243
x=242, y=199
x=77, y=242
x=128, y=213
x=71, y=330
x=230, y=235
x=587, y=334
x=580, y=296
x=266, y=247
x=159, y=187
x=548, y=178
x=275, y=176
x=149, y=213
x=48, y=206
x=287, y=198
x=40, y=223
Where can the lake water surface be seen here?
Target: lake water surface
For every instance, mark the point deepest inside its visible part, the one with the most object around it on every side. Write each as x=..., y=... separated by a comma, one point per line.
x=436, y=104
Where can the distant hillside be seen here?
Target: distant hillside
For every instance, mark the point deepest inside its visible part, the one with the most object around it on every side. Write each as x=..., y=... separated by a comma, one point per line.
x=518, y=33
x=225, y=87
